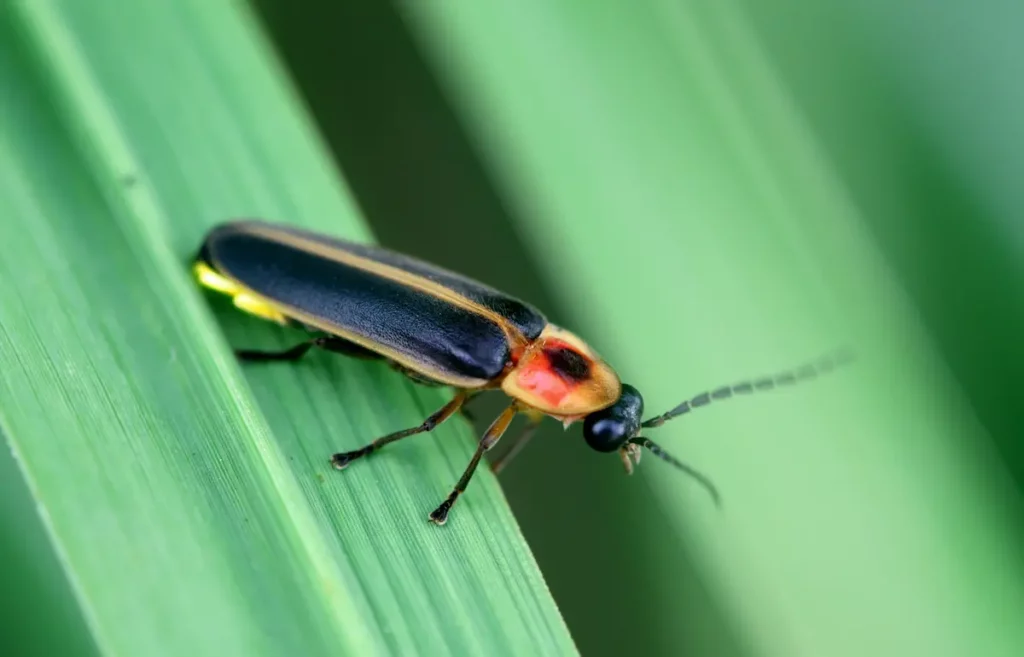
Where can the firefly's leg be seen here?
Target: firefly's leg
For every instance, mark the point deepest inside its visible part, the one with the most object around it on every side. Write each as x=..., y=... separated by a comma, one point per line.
x=342, y=459
x=464, y=411
x=440, y=515
x=518, y=443
x=298, y=351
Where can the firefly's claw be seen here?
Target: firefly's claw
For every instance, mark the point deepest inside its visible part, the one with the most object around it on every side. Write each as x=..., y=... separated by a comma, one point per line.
x=342, y=460
x=439, y=516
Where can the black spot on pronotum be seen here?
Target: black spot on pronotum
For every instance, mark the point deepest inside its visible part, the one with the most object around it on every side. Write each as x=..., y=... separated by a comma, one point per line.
x=568, y=363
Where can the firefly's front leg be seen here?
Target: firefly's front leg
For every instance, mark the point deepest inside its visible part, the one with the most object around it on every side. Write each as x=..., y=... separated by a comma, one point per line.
x=440, y=515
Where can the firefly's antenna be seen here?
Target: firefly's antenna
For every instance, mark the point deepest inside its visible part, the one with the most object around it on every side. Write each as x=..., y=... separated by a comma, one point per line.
x=656, y=449
x=823, y=365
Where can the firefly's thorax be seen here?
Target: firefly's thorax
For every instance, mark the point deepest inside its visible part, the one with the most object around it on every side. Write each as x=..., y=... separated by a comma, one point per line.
x=560, y=375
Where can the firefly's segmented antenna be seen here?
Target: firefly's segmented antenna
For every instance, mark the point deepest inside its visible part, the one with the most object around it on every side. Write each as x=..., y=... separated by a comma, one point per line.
x=806, y=372
x=656, y=449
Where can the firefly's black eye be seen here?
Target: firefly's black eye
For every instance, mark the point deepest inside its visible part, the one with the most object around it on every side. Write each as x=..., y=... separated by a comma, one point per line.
x=607, y=430
x=605, y=434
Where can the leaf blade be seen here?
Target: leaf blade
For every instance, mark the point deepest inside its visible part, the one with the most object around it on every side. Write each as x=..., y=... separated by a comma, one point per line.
x=260, y=523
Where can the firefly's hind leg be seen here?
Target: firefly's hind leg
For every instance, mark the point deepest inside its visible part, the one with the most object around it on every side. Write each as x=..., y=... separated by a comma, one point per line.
x=343, y=459
x=298, y=351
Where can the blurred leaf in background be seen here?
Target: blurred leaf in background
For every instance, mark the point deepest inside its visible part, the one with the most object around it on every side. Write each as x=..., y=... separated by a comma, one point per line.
x=918, y=106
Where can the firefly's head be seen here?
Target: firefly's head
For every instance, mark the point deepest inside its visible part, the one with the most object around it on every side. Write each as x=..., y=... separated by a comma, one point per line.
x=617, y=428
x=608, y=429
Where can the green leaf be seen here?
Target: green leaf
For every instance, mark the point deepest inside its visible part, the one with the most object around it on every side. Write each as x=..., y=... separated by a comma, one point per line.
x=668, y=185
x=190, y=500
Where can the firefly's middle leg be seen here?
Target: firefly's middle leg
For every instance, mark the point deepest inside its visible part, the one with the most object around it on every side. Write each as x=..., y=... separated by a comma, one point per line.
x=341, y=460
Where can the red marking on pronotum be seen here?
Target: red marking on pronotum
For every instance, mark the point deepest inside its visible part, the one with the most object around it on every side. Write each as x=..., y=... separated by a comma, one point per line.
x=538, y=377
x=555, y=372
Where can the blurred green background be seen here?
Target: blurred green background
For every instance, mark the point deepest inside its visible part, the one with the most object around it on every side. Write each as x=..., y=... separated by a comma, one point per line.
x=708, y=192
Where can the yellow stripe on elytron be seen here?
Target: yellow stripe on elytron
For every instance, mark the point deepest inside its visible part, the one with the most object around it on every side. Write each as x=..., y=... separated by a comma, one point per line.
x=211, y=279
x=250, y=302
x=512, y=334
x=259, y=307
x=242, y=298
